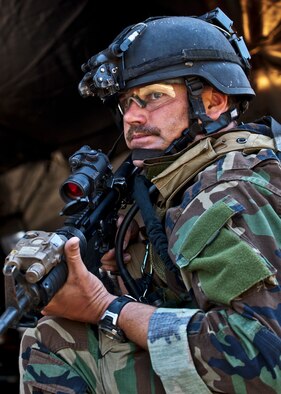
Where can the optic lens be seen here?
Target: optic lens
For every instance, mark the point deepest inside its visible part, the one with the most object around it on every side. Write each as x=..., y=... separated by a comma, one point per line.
x=75, y=187
x=73, y=190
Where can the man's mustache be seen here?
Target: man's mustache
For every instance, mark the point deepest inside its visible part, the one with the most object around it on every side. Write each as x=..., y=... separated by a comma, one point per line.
x=140, y=129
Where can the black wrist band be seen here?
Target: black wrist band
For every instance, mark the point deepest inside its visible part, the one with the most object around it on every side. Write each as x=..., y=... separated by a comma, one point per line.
x=108, y=321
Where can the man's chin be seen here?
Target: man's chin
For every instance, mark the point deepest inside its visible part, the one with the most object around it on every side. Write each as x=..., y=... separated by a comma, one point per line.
x=145, y=142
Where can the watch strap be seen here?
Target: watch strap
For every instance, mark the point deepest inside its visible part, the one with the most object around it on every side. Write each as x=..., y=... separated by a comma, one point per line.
x=108, y=321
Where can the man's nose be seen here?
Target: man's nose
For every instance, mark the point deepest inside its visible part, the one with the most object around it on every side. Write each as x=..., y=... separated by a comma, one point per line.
x=135, y=113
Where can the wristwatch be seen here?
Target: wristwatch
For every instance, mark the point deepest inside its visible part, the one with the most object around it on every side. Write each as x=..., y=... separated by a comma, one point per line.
x=108, y=321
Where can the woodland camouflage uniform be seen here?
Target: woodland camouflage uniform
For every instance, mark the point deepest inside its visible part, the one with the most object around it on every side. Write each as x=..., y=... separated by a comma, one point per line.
x=223, y=226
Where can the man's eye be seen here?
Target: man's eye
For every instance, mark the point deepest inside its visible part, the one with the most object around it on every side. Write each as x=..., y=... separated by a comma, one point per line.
x=155, y=96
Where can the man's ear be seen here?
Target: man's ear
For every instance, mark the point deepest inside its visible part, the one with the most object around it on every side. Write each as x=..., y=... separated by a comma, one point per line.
x=215, y=102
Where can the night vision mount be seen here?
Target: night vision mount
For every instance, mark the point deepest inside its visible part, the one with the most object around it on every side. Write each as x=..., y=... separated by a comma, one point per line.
x=102, y=71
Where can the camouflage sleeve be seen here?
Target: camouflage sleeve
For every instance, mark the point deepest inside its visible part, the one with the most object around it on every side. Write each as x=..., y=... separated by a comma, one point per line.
x=167, y=338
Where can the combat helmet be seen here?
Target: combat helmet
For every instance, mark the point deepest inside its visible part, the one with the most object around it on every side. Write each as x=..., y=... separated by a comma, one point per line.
x=202, y=50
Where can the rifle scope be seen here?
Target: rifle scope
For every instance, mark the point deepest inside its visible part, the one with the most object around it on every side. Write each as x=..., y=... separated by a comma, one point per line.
x=89, y=167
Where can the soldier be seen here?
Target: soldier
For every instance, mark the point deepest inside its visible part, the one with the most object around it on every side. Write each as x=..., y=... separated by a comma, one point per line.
x=210, y=320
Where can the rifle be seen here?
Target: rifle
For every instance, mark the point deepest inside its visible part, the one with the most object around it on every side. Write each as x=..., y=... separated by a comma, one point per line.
x=35, y=269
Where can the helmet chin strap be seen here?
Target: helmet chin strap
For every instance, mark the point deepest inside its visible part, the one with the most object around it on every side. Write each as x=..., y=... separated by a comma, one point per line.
x=197, y=109
x=197, y=113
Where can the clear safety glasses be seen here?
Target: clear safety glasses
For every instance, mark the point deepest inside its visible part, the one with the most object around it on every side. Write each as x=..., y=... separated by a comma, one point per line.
x=150, y=97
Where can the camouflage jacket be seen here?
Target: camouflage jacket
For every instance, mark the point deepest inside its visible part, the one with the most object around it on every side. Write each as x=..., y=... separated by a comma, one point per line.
x=224, y=234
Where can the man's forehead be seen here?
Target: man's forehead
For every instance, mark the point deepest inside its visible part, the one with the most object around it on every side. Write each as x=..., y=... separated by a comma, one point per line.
x=161, y=87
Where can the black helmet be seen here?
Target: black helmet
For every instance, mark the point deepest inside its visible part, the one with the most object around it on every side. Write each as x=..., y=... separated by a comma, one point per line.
x=201, y=50
x=168, y=47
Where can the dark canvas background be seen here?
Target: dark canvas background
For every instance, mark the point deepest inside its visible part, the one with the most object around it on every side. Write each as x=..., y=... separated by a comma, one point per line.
x=43, y=119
